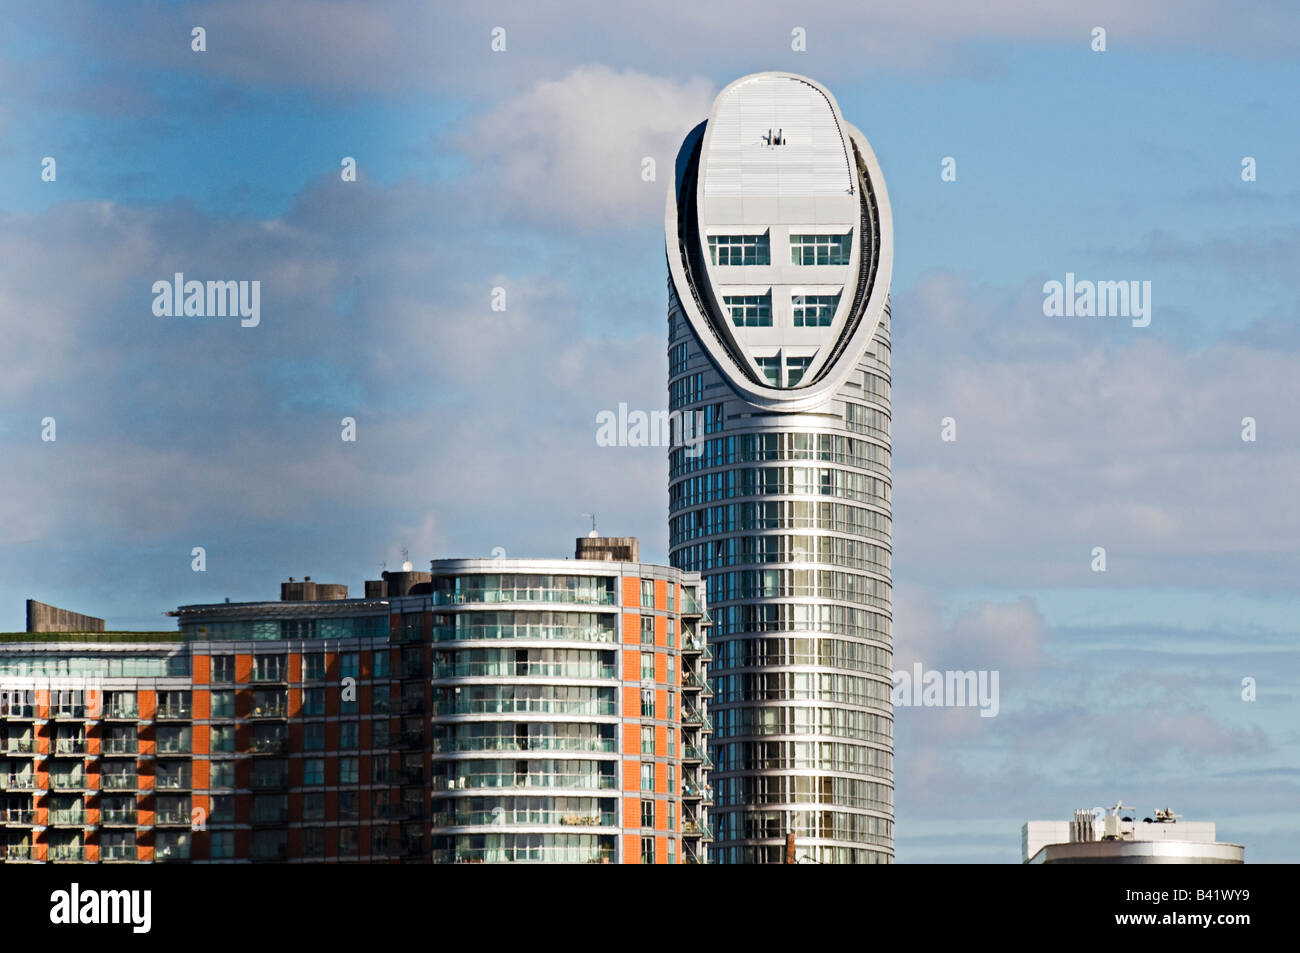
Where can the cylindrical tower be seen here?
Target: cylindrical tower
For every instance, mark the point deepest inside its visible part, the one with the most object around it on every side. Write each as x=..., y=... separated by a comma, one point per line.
x=780, y=249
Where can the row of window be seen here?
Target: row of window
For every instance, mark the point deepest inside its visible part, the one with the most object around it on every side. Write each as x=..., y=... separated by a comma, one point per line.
x=774, y=651
x=777, y=583
x=824, y=825
x=741, y=550
x=567, y=626
x=807, y=310
x=805, y=249
x=802, y=755
x=801, y=686
x=862, y=623
x=801, y=720
x=744, y=790
x=783, y=514
x=744, y=448
x=787, y=481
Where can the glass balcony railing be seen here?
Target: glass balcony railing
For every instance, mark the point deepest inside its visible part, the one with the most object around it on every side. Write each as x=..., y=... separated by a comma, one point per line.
x=70, y=746
x=67, y=782
x=65, y=852
x=18, y=782
x=119, y=782
x=172, y=782
x=525, y=670
x=68, y=817
x=118, y=818
x=268, y=745
x=165, y=852
x=121, y=712
x=113, y=746
x=525, y=819
x=596, y=597
x=113, y=852
x=18, y=746
x=15, y=852
x=172, y=818
x=174, y=713
x=18, y=815
x=74, y=713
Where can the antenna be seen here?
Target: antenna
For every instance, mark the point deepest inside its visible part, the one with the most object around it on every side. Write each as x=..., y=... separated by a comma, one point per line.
x=593, y=534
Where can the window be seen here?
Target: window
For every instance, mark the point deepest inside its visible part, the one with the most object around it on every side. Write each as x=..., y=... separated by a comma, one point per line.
x=173, y=704
x=647, y=703
x=671, y=667
x=313, y=807
x=223, y=845
x=313, y=665
x=223, y=668
x=379, y=840
x=222, y=774
x=750, y=311
x=647, y=739
x=269, y=668
x=672, y=779
x=347, y=841
x=647, y=850
x=672, y=743
x=672, y=597
x=313, y=701
x=647, y=813
x=815, y=311
x=647, y=666
x=379, y=734
x=223, y=809
x=379, y=770
x=382, y=667
x=313, y=736
x=672, y=850
x=313, y=842
x=223, y=704
x=672, y=820
x=647, y=630
x=820, y=249
x=348, y=804
x=313, y=771
x=348, y=768
x=349, y=734
x=647, y=776
x=647, y=593
x=795, y=368
x=740, y=249
x=173, y=739
x=770, y=368
x=221, y=738
x=349, y=664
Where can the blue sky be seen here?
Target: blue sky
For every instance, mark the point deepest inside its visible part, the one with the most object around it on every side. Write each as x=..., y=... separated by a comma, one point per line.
x=476, y=428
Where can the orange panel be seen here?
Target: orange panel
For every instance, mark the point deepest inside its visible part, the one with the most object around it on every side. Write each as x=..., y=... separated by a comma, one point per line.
x=202, y=666
x=661, y=667
x=632, y=592
x=631, y=629
x=632, y=664
x=661, y=630
x=631, y=702
x=243, y=669
x=661, y=594
x=661, y=777
x=631, y=775
x=631, y=812
x=295, y=666
x=631, y=849
x=202, y=702
x=661, y=850
x=661, y=741
x=632, y=739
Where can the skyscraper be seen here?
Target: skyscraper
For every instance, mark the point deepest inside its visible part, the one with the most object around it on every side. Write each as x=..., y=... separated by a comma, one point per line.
x=780, y=248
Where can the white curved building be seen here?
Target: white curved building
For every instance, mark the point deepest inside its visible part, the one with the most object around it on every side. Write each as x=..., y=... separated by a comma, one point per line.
x=780, y=248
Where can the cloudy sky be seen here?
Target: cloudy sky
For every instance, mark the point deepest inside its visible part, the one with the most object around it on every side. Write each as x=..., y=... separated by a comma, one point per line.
x=521, y=170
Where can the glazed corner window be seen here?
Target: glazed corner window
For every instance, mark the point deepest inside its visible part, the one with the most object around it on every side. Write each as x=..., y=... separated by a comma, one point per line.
x=820, y=249
x=647, y=630
x=740, y=249
x=750, y=311
x=770, y=368
x=647, y=593
x=223, y=668
x=795, y=368
x=814, y=311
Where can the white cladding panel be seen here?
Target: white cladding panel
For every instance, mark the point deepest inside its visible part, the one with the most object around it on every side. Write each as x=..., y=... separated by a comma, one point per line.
x=749, y=182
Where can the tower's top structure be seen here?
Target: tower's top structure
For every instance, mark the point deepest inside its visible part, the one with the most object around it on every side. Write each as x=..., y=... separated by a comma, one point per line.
x=779, y=224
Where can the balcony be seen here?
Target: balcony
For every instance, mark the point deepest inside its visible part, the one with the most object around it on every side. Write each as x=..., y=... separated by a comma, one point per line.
x=268, y=745
x=16, y=853
x=67, y=853
x=694, y=717
x=171, y=818
x=264, y=712
x=171, y=783
x=692, y=753
x=412, y=739
x=68, y=782
x=271, y=677
x=18, y=817
x=18, y=713
x=121, y=713
x=75, y=713
x=119, y=747
x=171, y=852
x=118, y=818
x=269, y=782
x=68, y=818
x=172, y=749
x=18, y=746
x=270, y=818
x=175, y=713
x=693, y=829
x=69, y=746
x=117, y=853
x=17, y=782
x=120, y=782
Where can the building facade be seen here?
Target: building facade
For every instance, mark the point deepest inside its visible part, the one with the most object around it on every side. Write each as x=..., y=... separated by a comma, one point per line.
x=779, y=246
x=486, y=711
